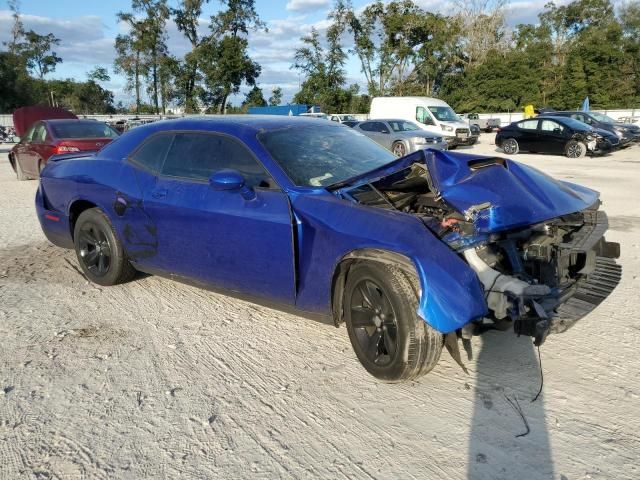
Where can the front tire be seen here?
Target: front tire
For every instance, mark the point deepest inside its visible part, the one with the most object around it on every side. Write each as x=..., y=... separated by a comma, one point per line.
x=99, y=251
x=389, y=338
x=575, y=149
x=399, y=149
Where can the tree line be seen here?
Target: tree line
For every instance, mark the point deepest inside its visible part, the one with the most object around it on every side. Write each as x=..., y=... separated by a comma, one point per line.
x=469, y=57
x=472, y=60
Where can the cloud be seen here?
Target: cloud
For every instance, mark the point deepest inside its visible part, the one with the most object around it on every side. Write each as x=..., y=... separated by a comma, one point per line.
x=306, y=5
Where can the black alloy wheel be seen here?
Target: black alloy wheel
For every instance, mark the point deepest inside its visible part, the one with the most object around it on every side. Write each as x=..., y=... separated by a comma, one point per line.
x=94, y=249
x=99, y=250
x=374, y=322
x=380, y=308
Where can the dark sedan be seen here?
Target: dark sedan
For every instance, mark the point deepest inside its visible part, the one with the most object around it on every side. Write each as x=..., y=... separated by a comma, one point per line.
x=557, y=135
x=625, y=132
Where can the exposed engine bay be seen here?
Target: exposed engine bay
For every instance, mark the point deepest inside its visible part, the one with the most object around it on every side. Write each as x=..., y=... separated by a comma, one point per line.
x=537, y=279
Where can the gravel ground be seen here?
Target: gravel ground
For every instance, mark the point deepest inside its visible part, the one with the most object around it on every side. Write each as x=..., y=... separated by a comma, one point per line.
x=155, y=379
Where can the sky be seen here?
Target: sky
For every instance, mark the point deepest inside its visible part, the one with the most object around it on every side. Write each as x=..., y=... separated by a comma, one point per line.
x=87, y=29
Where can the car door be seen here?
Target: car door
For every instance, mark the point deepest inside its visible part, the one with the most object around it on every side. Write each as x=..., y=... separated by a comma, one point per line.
x=24, y=153
x=378, y=132
x=526, y=133
x=220, y=237
x=552, y=135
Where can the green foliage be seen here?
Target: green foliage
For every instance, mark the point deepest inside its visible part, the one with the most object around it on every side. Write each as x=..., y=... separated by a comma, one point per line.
x=254, y=98
x=38, y=54
x=276, y=97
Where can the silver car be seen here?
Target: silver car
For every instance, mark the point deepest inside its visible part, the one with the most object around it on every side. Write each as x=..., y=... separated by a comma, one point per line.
x=400, y=136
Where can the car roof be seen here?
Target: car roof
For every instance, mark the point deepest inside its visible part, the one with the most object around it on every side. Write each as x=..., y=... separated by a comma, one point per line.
x=387, y=120
x=254, y=122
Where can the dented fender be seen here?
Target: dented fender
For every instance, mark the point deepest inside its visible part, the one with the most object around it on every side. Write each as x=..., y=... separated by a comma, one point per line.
x=329, y=230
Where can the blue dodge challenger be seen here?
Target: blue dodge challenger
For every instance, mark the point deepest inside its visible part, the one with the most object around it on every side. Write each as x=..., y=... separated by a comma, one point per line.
x=411, y=253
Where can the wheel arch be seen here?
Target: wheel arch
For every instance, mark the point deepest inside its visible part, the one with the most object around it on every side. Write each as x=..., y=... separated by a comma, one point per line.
x=75, y=210
x=373, y=255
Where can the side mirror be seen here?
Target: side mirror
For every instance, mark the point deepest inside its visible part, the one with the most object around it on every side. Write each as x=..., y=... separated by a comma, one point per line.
x=385, y=131
x=556, y=130
x=231, y=180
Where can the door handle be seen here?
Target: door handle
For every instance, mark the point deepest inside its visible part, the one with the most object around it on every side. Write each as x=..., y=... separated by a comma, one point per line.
x=159, y=193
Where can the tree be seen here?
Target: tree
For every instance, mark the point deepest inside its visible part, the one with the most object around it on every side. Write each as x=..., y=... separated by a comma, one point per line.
x=99, y=74
x=149, y=36
x=16, y=86
x=17, y=29
x=254, y=98
x=224, y=57
x=38, y=54
x=129, y=50
x=276, y=97
x=186, y=17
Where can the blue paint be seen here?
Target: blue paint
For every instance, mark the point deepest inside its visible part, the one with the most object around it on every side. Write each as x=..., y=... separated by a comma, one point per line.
x=284, y=244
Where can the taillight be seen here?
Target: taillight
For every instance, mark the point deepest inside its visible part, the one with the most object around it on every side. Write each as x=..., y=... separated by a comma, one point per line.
x=66, y=149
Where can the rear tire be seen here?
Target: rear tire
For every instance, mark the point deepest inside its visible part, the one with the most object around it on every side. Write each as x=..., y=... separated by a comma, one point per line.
x=510, y=146
x=99, y=251
x=575, y=149
x=389, y=338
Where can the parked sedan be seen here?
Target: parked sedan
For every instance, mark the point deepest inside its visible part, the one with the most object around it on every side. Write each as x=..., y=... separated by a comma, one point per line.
x=546, y=134
x=410, y=253
x=626, y=132
x=400, y=136
x=47, y=131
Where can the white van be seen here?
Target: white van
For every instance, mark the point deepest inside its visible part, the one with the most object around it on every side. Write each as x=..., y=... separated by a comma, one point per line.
x=429, y=113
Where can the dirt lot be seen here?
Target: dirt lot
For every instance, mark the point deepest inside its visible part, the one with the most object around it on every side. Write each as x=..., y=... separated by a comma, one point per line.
x=155, y=379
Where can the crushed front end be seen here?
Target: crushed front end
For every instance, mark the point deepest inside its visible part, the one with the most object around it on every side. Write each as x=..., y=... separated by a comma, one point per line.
x=537, y=245
x=543, y=278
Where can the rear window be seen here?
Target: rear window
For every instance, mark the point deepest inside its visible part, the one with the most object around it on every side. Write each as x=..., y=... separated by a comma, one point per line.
x=83, y=130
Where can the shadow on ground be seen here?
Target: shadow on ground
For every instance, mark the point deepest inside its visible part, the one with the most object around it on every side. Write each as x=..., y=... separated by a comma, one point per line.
x=507, y=380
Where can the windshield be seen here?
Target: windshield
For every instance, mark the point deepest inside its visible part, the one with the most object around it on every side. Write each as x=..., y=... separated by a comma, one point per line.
x=444, y=114
x=322, y=155
x=601, y=117
x=403, y=126
x=75, y=129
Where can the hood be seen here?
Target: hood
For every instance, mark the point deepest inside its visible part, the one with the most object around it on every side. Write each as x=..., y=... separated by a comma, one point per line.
x=605, y=133
x=500, y=194
x=24, y=117
x=497, y=194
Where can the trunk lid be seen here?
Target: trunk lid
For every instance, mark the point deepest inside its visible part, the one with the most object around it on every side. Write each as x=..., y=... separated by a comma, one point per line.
x=24, y=117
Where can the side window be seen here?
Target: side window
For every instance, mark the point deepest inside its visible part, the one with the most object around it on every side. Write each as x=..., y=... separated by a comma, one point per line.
x=367, y=127
x=197, y=156
x=550, y=126
x=379, y=127
x=39, y=134
x=422, y=115
x=152, y=153
x=528, y=124
x=577, y=116
x=28, y=136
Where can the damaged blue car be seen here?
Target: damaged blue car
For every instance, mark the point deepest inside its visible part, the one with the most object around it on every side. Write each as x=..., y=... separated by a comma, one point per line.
x=412, y=254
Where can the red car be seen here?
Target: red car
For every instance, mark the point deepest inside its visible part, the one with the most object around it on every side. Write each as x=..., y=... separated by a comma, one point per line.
x=50, y=132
